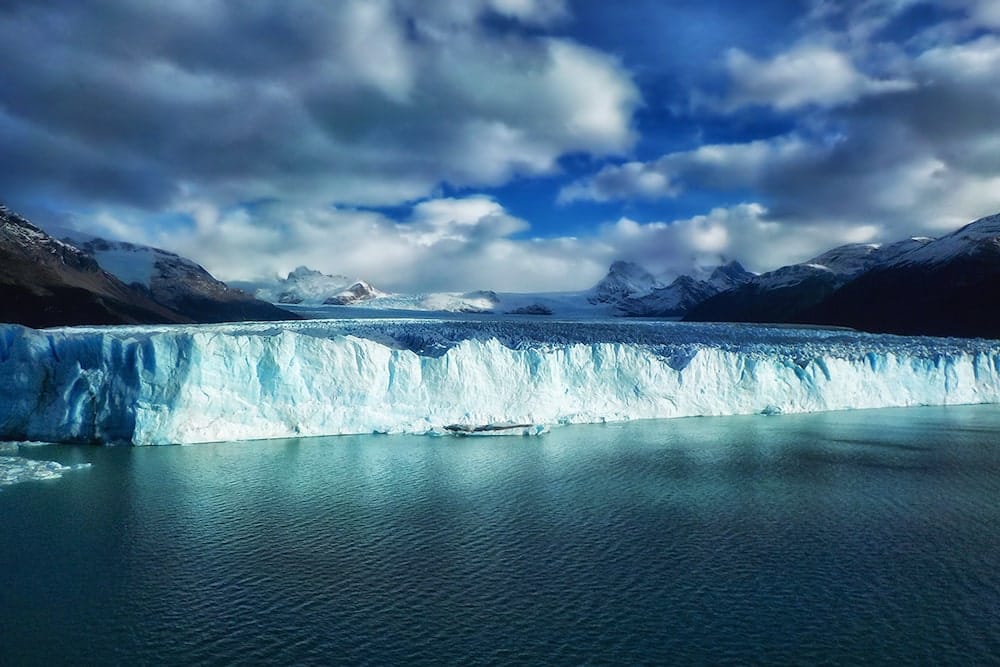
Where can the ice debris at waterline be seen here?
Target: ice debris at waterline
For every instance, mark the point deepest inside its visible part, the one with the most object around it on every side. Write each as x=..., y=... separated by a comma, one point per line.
x=16, y=469
x=492, y=430
x=187, y=384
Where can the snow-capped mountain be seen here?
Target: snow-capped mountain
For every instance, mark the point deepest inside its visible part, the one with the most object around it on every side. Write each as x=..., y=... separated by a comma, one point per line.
x=947, y=286
x=628, y=289
x=477, y=301
x=624, y=280
x=177, y=282
x=729, y=275
x=780, y=295
x=311, y=287
x=46, y=282
x=310, y=292
x=974, y=239
x=685, y=292
x=357, y=292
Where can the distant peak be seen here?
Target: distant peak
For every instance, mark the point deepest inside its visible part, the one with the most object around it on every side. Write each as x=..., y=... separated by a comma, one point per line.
x=988, y=226
x=302, y=272
x=624, y=279
x=630, y=271
x=729, y=275
x=730, y=268
x=625, y=266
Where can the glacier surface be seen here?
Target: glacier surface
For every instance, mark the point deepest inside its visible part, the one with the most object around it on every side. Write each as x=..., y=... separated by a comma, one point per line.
x=189, y=384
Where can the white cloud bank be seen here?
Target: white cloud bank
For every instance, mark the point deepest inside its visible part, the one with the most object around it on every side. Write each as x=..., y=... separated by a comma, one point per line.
x=457, y=244
x=807, y=74
x=915, y=153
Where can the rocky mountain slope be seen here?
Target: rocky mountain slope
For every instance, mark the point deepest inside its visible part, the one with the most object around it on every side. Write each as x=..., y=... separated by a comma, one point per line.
x=45, y=282
x=947, y=286
x=684, y=293
x=178, y=283
x=48, y=282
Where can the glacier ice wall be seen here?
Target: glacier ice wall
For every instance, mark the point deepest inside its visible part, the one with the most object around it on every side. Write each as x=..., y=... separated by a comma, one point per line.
x=161, y=385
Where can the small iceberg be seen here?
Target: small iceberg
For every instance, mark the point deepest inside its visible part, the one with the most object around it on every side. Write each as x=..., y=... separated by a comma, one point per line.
x=496, y=429
x=16, y=469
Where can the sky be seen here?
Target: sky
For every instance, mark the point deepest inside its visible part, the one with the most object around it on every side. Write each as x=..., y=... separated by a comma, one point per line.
x=516, y=145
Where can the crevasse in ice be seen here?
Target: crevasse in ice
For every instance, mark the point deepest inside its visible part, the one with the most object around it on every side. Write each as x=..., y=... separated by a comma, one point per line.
x=161, y=385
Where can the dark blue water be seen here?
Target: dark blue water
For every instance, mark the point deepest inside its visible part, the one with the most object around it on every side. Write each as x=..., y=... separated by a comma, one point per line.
x=842, y=537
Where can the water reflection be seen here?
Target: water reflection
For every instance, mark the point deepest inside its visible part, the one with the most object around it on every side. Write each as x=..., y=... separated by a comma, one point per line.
x=839, y=536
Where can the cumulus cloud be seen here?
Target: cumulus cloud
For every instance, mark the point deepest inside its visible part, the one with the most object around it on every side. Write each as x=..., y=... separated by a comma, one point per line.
x=355, y=102
x=259, y=136
x=806, y=74
x=744, y=232
x=536, y=11
x=441, y=244
x=457, y=244
x=899, y=159
x=712, y=166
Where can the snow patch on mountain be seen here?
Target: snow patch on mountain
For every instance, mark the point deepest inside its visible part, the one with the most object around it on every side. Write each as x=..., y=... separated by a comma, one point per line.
x=729, y=275
x=479, y=301
x=134, y=264
x=17, y=232
x=359, y=291
x=977, y=236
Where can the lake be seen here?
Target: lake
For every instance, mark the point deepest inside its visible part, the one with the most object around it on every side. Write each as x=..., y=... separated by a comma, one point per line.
x=834, y=537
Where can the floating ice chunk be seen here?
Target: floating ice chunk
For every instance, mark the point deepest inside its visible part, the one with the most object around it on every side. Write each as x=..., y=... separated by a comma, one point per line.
x=496, y=429
x=16, y=469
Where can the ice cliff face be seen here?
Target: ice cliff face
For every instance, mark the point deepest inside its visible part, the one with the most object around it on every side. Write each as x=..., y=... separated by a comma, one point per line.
x=163, y=385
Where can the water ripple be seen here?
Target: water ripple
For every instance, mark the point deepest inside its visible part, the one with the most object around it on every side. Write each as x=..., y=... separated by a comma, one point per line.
x=827, y=539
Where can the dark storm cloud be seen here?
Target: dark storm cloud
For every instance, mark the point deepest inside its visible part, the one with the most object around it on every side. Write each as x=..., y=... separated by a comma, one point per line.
x=370, y=102
x=380, y=132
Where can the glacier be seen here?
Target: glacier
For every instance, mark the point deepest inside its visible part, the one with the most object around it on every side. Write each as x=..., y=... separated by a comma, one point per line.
x=156, y=385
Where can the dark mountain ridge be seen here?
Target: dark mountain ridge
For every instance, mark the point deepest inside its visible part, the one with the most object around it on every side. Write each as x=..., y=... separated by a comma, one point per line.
x=46, y=282
x=944, y=287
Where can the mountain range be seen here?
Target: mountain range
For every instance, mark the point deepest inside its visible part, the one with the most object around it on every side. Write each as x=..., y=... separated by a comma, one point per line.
x=305, y=285
x=944, y=286
x=46, y=282
x=636, y=296
x=626, y=290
